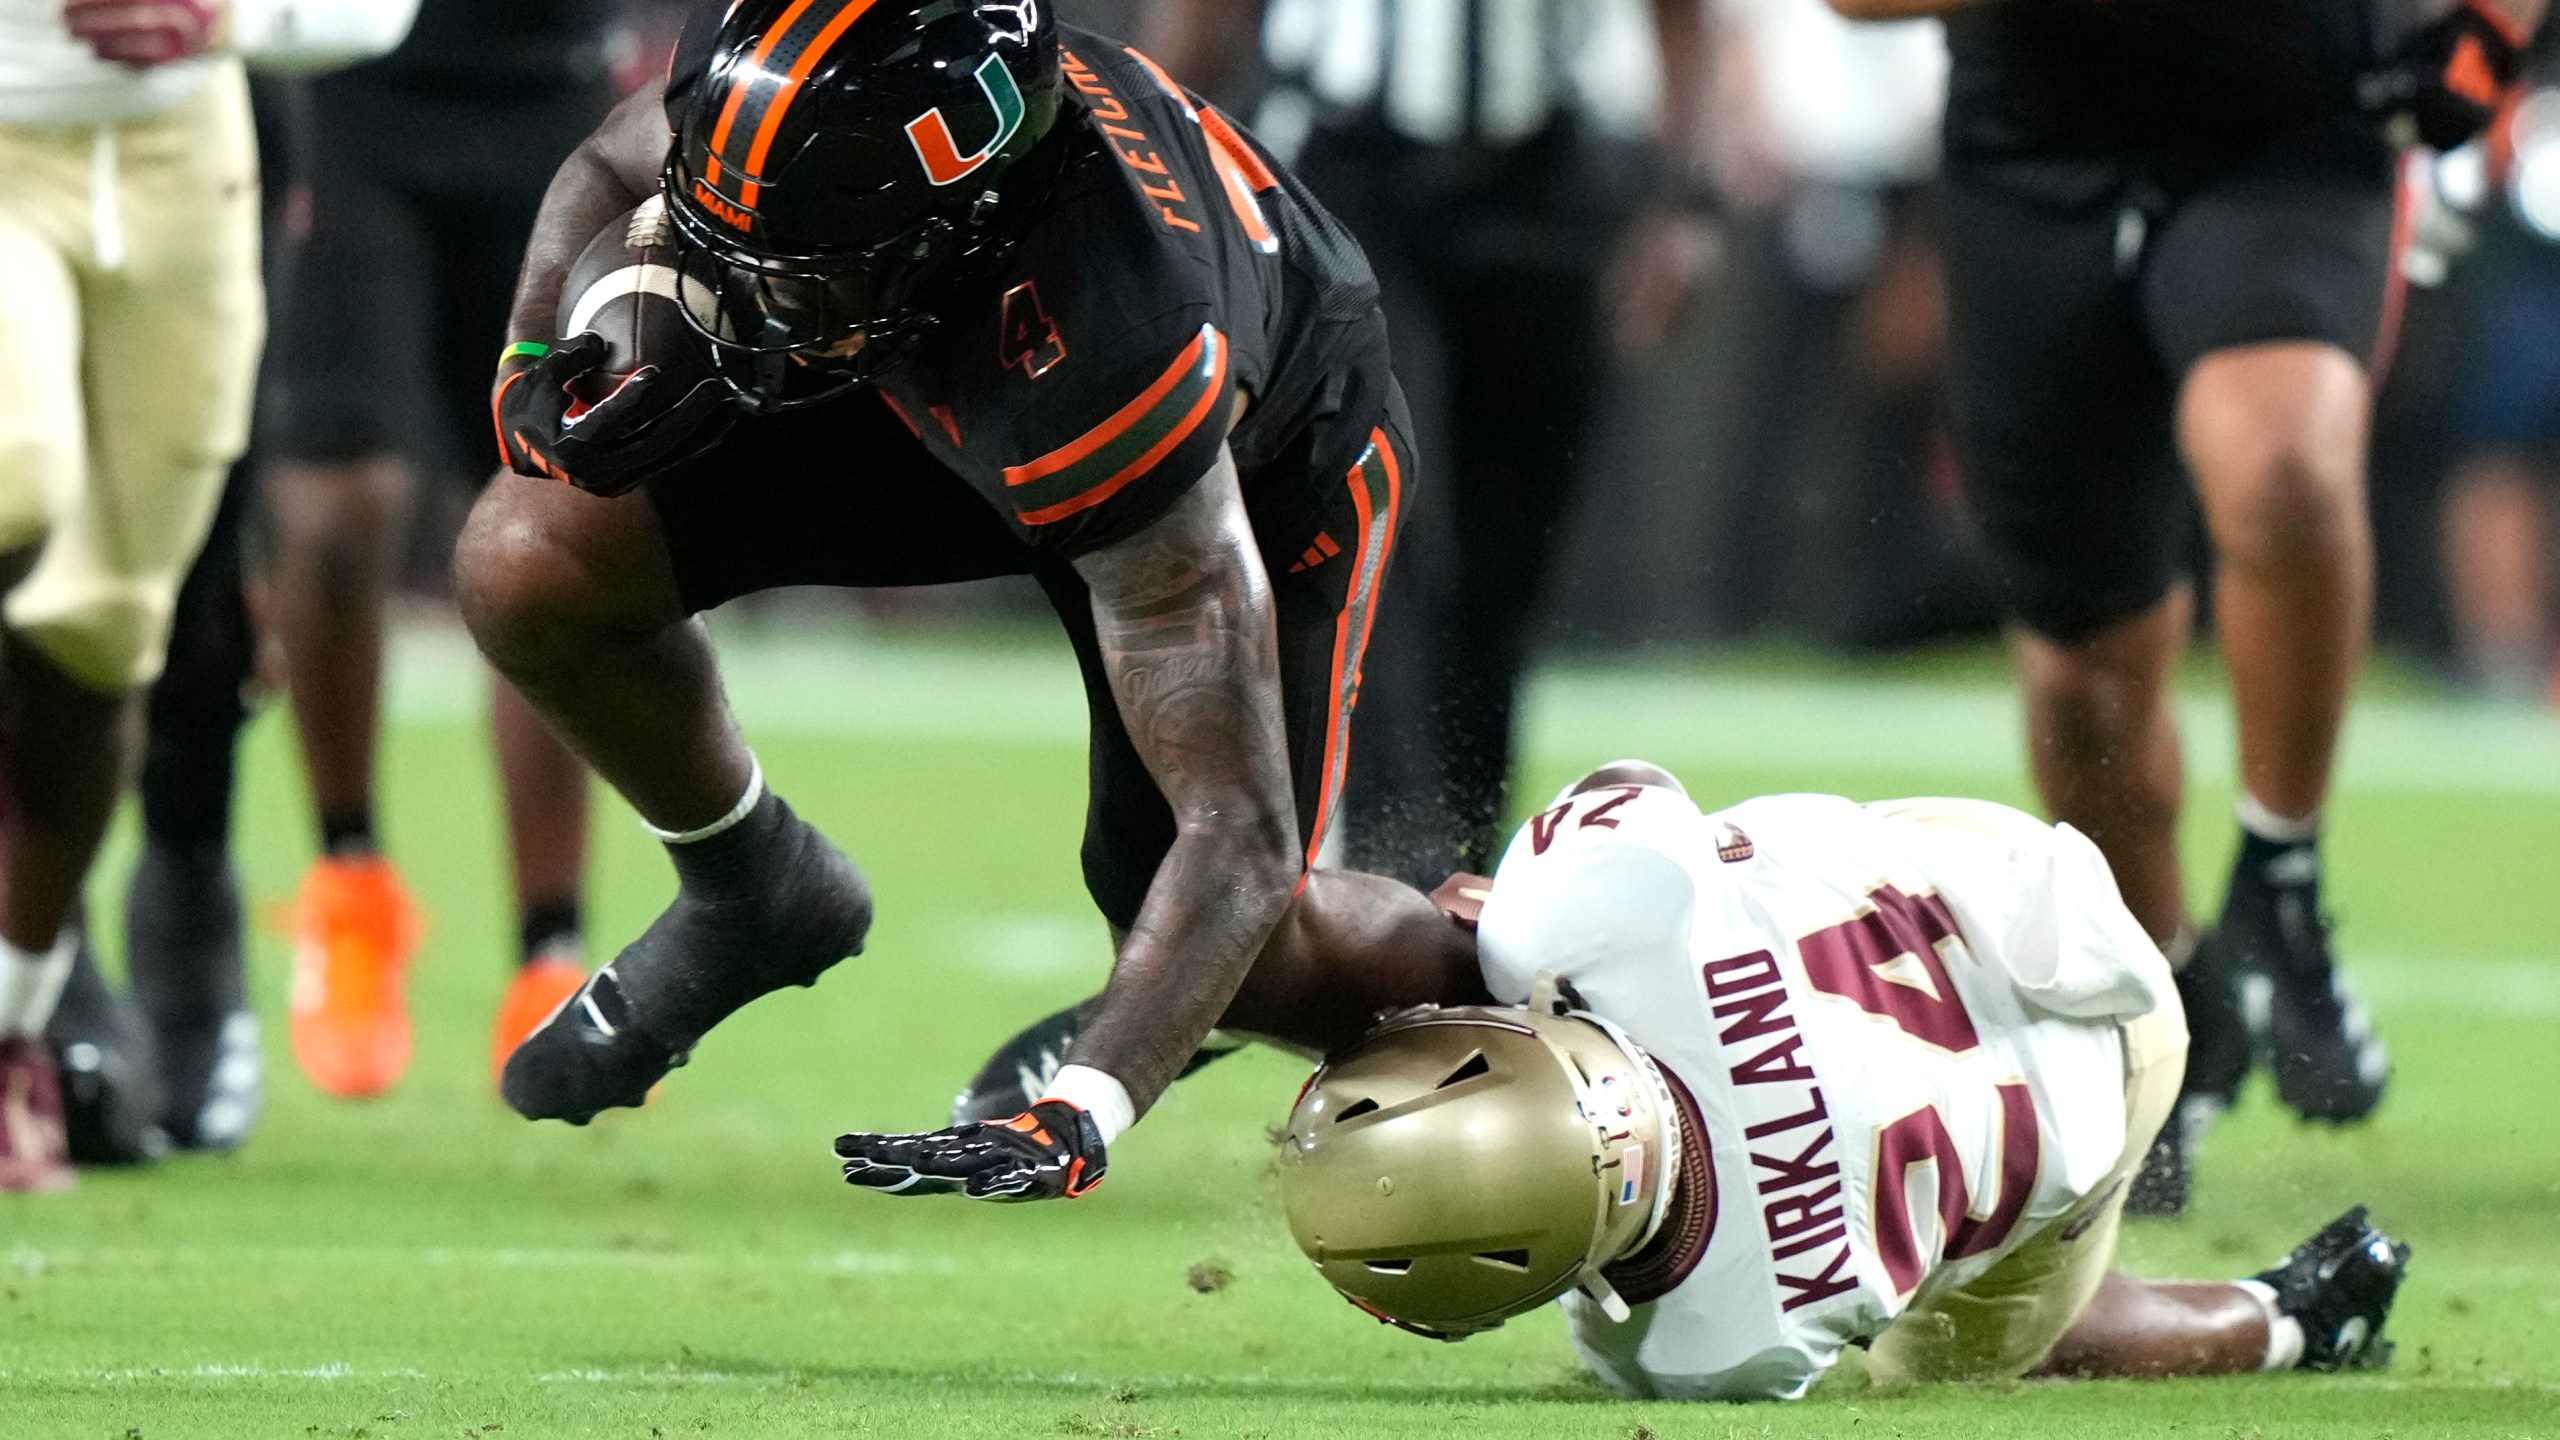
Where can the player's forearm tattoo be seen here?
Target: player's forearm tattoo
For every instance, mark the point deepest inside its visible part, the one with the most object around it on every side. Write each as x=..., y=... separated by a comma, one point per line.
x=1184, y=615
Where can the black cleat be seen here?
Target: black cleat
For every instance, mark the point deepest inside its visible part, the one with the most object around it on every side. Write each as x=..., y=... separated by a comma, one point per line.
x=111, y=1095
x=1020, y=1071
x=2338, y=1284
x=2319, y=1042
x=2219, y=1049
x=190, y=979
x=766, y=904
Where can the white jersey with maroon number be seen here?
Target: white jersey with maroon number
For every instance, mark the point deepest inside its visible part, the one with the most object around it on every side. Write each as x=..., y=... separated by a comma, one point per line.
x=1900, y=1022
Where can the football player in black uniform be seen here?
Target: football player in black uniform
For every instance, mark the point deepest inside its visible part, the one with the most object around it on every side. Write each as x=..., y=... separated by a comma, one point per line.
x=994, y=296
x=2171, y=238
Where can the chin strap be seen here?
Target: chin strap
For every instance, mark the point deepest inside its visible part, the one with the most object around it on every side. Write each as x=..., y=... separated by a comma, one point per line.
x=1606, y=1298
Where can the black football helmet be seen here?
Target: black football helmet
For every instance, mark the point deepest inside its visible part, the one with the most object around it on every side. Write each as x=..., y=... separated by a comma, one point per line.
x=839, y=164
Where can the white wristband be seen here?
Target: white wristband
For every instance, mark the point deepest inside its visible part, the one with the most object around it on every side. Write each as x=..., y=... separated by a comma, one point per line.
x=1097, y=1095
x=737, y=812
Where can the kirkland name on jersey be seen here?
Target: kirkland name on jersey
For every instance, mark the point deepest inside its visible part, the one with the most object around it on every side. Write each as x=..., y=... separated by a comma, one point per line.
x=1901, y=1024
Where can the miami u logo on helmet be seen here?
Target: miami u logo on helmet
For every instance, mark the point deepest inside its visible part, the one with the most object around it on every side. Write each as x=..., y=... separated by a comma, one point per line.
x=931, y=134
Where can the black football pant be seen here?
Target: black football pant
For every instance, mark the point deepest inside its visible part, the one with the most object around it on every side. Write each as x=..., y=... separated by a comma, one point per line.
x=1490, y=266
x=842, y=494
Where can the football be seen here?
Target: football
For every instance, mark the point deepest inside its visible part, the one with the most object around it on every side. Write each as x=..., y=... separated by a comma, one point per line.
x=626, y=287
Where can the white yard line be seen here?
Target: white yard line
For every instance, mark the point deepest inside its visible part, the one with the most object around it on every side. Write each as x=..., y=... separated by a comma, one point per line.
x=879, y=1263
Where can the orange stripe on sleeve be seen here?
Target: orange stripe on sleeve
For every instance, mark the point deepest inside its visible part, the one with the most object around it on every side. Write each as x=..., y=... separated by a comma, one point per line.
x=901, y=412
x=1162, y=80
x=1146, y=461
x=1236, y=150
x=1111, y=429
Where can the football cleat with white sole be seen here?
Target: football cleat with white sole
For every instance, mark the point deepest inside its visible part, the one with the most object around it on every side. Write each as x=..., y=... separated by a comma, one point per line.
x=1018, y=1074
x=109, y=1075
x=185, y=962
x=2339, y=1285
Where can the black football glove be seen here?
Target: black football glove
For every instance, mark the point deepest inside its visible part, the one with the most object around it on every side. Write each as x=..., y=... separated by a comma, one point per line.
x=609, y=447
x=1051, y=1151
x=529, y=401
x=2451, y=76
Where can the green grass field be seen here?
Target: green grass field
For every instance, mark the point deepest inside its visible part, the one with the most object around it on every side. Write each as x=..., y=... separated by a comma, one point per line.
x=427, y=1265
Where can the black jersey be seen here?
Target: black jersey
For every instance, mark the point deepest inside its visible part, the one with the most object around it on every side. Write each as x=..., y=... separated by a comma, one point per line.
x=2170, y=77
x=1175, y=273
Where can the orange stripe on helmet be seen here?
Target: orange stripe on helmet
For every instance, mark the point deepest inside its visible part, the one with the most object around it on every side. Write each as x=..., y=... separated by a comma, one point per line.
x=781, y=103
x=739, y=86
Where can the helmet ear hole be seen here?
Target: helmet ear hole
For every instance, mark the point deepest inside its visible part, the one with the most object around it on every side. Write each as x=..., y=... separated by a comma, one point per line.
x=1468, y=1069
x=1495, y=1189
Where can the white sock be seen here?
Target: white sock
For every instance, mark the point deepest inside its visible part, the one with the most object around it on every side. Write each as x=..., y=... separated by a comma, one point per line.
x=737, y=812
x=2267, y=825
x=31, y=984
x=1096, y=1094
x=2284, y=1333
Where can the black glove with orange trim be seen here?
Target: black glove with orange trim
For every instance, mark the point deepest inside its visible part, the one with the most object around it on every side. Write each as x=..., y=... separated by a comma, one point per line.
x=1051, y=1151
x=631, y=432
x=2450, y=75
x=530, y=401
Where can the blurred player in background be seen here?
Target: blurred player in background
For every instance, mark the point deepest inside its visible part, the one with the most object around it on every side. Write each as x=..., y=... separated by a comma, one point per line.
x=1761, y=1085
x=176, y=1064
x=1513, y=170
x=1833, y=492
x=2170, y=238
x=128, y=346
x=428, y=167
x=2498, y=504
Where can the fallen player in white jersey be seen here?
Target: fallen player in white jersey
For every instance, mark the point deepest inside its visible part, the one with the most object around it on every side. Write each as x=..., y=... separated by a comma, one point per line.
x=1751, y=1088
x=1762, y=1085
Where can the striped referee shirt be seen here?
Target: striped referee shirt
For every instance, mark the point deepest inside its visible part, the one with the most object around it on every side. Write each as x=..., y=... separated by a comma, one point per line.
x=1490, y=72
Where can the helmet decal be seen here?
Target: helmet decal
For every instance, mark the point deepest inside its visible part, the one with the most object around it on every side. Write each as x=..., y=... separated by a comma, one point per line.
x=931, y=134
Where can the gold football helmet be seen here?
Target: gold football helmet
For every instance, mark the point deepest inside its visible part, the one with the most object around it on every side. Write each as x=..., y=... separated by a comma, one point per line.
x=1461, y=1166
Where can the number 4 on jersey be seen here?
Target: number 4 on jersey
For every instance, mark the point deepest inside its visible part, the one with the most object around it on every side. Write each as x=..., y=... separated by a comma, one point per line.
x=1885, y=960
x=1029, y=337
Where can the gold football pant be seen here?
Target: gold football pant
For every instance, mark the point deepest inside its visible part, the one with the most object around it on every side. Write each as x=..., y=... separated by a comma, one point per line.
x=2005, y=1322
x=130, y=320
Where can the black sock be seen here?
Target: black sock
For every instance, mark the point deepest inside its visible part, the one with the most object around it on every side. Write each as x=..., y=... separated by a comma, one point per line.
x=547, y=925
x=195, y=711
x=2278, y=864
x=766, y=903
x=733, y=861
x=348, y=832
